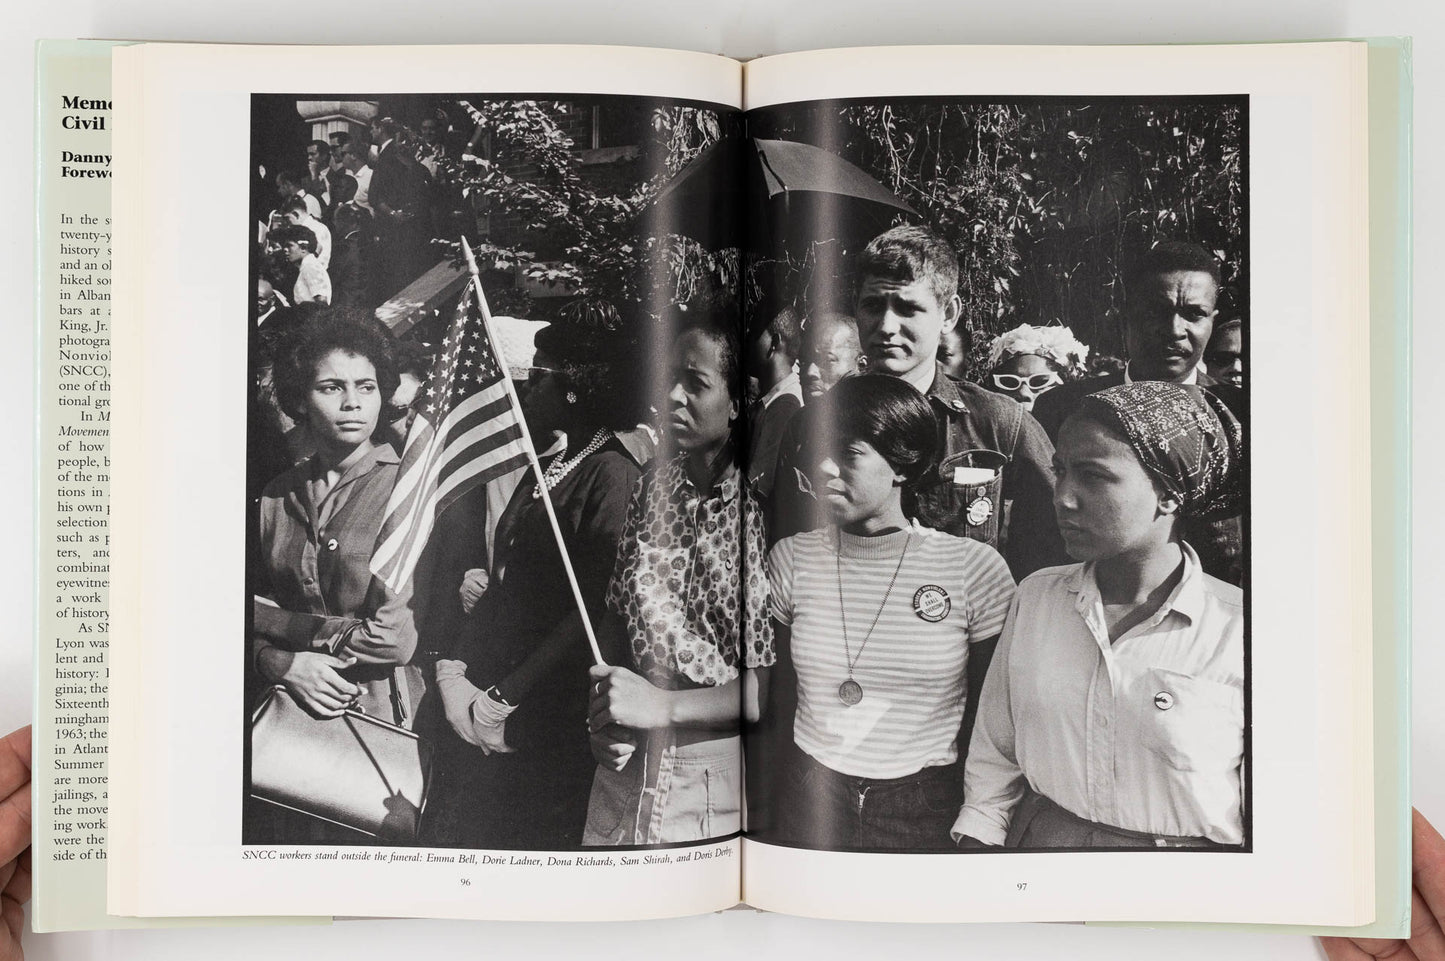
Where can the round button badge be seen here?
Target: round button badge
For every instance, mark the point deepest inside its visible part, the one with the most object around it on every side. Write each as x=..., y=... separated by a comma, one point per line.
x=931, y=603
x=1163, y=700
x=979, y=511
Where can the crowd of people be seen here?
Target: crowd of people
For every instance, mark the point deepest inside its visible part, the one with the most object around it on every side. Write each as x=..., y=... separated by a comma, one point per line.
x=353, y=226
x=938, y=613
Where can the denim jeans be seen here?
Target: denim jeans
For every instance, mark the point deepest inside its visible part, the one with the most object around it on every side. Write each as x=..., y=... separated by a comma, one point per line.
x=678, y=786
x=832, y=811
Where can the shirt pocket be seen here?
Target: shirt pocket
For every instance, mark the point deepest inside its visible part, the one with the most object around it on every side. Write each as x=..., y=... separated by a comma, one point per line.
x=1190, y=723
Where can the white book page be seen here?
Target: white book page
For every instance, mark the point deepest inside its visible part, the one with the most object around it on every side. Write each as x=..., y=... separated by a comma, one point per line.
x=1310, y=637
x=182, y=197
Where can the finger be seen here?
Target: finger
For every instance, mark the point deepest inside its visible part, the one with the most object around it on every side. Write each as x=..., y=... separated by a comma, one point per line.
x=1426, y=938
x=15, y=816
x=1347, y=949
x=18, y=887
x=14, y=761
x=13, y=914
x=1429, y=866
x=600, y=672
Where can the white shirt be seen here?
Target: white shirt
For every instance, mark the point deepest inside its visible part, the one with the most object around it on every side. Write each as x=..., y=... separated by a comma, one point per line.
x=312, y=281
x=323, y=240
x=363, y=188
x=950, y=593
x=790, y=384
x=1144, y=734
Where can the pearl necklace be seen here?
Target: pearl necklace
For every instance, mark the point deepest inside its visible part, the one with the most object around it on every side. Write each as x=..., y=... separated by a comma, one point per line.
x=560, y=468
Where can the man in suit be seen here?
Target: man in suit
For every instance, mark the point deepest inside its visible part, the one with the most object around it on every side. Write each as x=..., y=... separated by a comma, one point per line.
x=1168, y=318
x=397, y=195
x=1172, y=297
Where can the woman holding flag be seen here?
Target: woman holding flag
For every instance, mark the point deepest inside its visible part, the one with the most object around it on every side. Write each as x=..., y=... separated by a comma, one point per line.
x=514, y=690
x=690, y=594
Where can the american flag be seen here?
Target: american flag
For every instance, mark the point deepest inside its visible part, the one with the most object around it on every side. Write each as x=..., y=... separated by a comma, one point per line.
x=467, y=431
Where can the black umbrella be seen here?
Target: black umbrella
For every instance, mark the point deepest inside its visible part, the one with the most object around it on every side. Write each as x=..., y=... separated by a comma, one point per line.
x=791, y=193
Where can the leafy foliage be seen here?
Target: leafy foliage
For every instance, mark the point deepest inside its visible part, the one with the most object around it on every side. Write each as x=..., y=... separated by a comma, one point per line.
x=1046, y=202
x=571, y=232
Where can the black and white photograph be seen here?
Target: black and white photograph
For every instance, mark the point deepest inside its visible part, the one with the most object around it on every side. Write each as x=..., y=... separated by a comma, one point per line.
x=499, y=527
x=1001, y=448
x=852, y=475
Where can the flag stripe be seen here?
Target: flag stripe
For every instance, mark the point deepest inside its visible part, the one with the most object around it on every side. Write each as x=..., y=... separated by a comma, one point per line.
x=468, y=433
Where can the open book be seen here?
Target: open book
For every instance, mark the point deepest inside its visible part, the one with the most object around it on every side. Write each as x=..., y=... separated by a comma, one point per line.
x=588, y=483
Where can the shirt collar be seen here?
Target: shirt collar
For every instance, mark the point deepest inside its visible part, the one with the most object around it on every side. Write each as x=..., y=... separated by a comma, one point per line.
x=788, y=385
x=678, y=482
x=944, y=391
x=1187, y=598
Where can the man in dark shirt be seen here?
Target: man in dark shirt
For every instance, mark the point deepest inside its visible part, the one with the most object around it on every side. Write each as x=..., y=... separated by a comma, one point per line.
x=1169, y=316
x=907, y=299
x=772, y=351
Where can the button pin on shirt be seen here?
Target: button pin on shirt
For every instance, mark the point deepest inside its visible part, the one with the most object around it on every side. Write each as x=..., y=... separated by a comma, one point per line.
x=1163, y=700
x=331, y=545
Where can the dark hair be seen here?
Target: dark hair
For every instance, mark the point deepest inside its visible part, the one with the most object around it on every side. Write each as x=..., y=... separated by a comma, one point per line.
x=786, y=330
x=1234, y=323
x=720, y=330
x=909, y=254
x=343, y=190
x=1169, y=256
x=323, y=149
x=886, y=412
x=353, y=330
x=290, y=177
x=1107, y=420
x=591, y=361
x=294, y=202
x=304, y=237
x=341, y=137
x=387, y=126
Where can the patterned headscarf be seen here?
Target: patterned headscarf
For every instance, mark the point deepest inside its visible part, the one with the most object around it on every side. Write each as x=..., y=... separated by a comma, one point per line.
x=1185, y=437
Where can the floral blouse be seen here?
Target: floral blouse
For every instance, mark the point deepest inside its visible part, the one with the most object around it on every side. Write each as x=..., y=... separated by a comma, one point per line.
x=691, y=580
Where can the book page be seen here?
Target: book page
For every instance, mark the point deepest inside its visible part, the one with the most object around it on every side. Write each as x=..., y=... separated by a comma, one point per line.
x=1063, y=185
x=435, y=316
x=71, y=729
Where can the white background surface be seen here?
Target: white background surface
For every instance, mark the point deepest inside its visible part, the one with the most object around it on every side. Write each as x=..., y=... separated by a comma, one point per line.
x=736, y=28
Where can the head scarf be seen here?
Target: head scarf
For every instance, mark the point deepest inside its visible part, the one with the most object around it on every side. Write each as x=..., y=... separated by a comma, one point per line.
x=1185, y=437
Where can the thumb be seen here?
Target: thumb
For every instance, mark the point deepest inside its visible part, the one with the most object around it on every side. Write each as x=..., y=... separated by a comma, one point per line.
x=599, y=672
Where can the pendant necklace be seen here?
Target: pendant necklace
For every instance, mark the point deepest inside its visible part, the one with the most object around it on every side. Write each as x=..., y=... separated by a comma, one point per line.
x=850, y=692
x=560, y=468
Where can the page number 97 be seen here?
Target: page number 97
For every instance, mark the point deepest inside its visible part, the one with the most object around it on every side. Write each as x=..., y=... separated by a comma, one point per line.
x=1022, y=885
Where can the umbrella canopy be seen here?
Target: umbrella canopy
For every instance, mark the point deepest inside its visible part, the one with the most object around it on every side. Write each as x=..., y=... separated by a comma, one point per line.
x=790, y=191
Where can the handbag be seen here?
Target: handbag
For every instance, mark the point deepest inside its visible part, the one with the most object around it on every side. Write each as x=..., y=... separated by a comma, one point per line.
x=353, y=770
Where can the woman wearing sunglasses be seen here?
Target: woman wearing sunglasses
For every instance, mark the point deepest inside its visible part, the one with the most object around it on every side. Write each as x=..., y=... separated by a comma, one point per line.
x=1027, y=361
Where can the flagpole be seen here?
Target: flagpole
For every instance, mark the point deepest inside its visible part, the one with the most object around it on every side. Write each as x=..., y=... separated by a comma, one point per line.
x=545, y=494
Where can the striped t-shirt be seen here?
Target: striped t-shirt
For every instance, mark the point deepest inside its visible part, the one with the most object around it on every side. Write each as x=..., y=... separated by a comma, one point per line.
x=950, y=592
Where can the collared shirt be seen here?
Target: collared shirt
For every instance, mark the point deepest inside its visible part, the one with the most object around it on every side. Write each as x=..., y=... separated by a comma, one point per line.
x=691, y=580
x=1145, y=733
x=362, y=176
x=316, y=543
x=312, y=281
x=769, y=419
x=323, y=240
x=788, y=385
